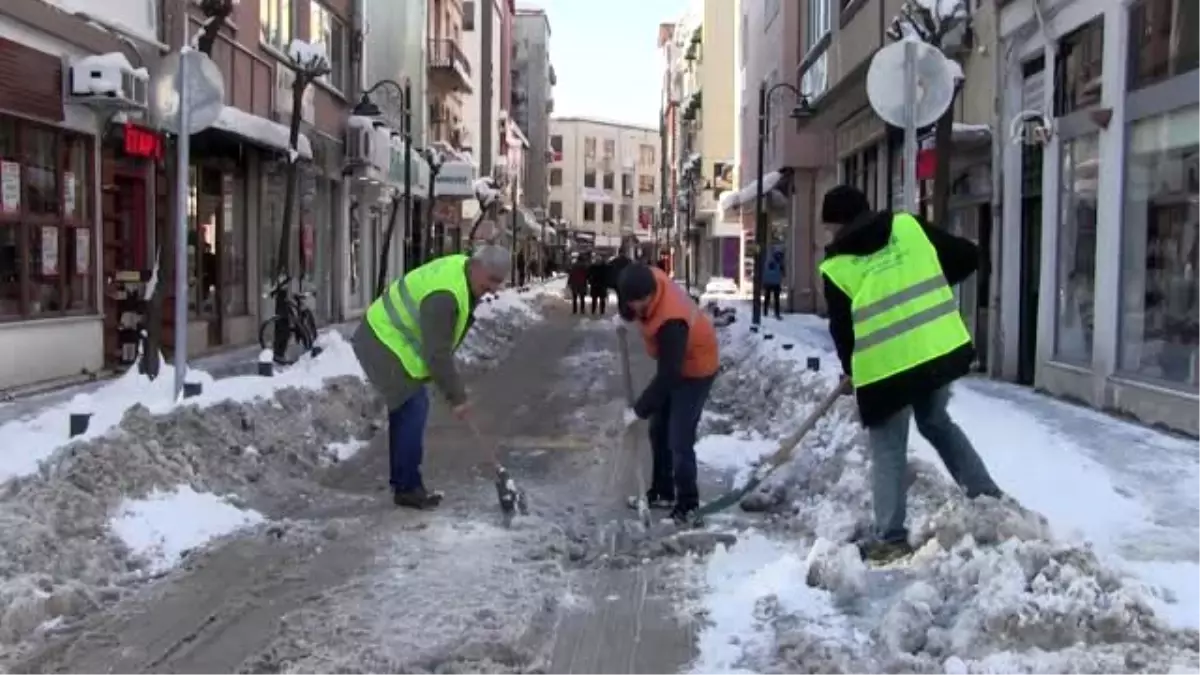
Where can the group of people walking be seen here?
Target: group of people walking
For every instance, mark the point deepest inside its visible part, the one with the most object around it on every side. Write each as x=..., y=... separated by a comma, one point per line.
x=897, y=331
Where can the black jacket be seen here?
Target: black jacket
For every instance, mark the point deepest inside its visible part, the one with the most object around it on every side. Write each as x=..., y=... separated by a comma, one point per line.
x=598, y=278
x=672, y=341
x=615, y=267
x=959, y=259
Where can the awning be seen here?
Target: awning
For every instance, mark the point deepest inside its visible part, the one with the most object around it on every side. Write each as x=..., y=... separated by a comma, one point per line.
x=731, y=200
x=260, y=131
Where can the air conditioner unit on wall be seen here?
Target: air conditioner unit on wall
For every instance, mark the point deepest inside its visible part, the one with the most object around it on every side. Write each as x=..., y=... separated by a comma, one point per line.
x=108, y=79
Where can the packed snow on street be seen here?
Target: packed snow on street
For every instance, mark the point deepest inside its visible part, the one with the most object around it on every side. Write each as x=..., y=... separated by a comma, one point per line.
x=154, y=483
x=1095, y=571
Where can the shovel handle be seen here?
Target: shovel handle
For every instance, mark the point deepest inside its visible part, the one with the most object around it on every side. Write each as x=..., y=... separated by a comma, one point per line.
x=626, y=369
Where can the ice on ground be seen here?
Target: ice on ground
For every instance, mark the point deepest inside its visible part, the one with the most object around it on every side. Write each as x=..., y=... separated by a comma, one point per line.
x=992, y=589
x=156, y=466
x=734, y=454
x=166, y=524
x=340, y=452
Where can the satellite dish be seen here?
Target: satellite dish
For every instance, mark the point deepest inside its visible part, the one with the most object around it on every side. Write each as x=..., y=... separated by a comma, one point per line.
x=885, y=83
x=206, y=92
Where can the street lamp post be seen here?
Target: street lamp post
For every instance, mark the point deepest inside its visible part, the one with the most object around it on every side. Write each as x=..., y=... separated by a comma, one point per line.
x=801, y=109
x=366, y=107
x=513, y=252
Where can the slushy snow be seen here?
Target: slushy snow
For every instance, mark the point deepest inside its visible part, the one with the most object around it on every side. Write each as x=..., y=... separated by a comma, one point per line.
x=995, y=587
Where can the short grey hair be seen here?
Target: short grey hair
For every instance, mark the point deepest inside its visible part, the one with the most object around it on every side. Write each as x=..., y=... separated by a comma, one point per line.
x=493, y=259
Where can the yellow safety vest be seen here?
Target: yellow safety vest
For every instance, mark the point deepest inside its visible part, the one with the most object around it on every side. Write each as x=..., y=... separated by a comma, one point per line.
x=396, y=315
x=904, y=312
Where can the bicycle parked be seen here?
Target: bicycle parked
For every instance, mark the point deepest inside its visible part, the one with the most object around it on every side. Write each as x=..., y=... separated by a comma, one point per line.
x=300, y=325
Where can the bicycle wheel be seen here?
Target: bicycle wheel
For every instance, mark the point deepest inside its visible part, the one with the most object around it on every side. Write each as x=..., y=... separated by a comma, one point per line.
x=294, y=347
x=307, y=328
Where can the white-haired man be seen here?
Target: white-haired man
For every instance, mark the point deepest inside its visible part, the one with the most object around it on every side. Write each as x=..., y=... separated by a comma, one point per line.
x=407, y=339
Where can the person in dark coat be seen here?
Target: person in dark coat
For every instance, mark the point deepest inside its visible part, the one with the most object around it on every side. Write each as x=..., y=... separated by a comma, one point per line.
x=598, y=284
x=577, y=281
x=615, y=267
x=521, y=269
x=772, y=281
x=902, y=342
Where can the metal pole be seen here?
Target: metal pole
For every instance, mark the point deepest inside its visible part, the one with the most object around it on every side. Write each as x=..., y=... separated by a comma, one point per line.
x=181, y=213
x=760, y=221
x=415, y=249
x=513, y=253
x=910, y=127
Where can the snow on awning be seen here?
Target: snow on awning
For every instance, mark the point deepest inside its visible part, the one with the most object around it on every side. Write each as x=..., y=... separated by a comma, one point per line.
x=731, y=200
x=260, y=130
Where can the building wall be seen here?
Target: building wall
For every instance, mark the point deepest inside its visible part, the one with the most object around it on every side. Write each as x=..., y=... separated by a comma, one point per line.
x=532, y=30
x=626, y=141
x=1138, y=364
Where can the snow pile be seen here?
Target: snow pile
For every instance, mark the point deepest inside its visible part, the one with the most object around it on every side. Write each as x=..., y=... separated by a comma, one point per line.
x=86, y=521
x=166, y=524
x=501, y=318
x=991, y=589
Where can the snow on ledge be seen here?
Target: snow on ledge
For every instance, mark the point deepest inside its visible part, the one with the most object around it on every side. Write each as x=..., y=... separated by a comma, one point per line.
x=260, y=130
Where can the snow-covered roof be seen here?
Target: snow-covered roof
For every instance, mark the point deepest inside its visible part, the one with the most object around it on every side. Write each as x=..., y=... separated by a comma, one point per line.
x=260, y=130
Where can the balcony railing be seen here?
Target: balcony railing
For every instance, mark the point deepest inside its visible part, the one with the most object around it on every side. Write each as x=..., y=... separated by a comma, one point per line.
x=445, y=53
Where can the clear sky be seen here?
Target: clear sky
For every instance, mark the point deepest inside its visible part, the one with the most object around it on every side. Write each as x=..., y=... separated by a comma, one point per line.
x=605, y=54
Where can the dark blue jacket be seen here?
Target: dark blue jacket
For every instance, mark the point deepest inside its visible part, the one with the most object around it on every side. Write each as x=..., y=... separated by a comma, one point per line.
x=773, y=270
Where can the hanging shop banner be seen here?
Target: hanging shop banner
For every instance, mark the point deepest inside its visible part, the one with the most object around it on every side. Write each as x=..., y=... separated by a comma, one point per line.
x=10, y=186
x=83, y=251
x=68, y=193
x=49, y=264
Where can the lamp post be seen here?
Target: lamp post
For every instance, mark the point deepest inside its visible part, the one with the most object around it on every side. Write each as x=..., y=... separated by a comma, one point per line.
x=366, y=107
x=513, y=251
x=802, y=109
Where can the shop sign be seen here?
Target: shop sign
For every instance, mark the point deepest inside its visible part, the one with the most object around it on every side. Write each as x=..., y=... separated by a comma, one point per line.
x=142, y=142
x=83, y=251
x=10, y=186
x=455, y=179
x=49, y=266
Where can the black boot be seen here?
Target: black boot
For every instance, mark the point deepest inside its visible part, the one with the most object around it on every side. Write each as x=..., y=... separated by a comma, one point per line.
x=418, y=498
x=686, y=515
x=654, y=500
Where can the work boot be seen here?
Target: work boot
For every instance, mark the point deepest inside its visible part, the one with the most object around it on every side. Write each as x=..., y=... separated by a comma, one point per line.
x=686, y=516
x=884, y=552
x=417, y=498
x=654, y=500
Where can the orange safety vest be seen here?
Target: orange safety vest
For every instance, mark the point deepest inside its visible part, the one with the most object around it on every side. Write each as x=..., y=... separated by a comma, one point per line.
x=671, y=302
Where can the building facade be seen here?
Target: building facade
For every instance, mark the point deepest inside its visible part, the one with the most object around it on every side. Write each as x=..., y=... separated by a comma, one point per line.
x=1098, y=236
x=701, y=67
x=486, y=25
x=451, y=91
x=604, y=178
x=533, y=98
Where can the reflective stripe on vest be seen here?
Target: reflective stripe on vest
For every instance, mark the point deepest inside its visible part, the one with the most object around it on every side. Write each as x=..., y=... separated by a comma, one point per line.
x=904, y=312
x=413, y=309
x=401, y=334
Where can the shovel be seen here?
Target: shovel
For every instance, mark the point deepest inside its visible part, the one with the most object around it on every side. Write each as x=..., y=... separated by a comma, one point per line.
x=634, y=432
x=512, y=498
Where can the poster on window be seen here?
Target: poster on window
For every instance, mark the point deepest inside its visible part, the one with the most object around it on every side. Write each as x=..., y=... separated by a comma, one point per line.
x=49, y=250
x=83, y=251
x=68, y=193
x=10, y=186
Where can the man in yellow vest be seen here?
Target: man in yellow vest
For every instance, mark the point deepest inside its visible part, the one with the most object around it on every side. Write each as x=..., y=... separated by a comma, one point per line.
x=407, y=339
x=901, y=340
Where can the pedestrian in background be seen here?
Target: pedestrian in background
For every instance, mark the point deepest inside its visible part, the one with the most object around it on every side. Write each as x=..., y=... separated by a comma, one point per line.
x=902, y=341
x=577, y=282
x=772, y=280
x=598, y=284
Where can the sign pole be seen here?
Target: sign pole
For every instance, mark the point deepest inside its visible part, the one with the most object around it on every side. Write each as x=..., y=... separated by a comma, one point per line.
x=181, y=213
x=910, y=127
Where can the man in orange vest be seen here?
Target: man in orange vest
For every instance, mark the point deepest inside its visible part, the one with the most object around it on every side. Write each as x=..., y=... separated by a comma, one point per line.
x=681, y=338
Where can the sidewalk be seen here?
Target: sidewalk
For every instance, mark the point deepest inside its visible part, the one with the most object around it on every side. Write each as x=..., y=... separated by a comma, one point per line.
x=1133, y=491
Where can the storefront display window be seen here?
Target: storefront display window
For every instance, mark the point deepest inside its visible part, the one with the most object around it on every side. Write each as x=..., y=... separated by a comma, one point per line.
x=1076, y=274
x=1160, y=244
x=46, y=243
x=233, y=244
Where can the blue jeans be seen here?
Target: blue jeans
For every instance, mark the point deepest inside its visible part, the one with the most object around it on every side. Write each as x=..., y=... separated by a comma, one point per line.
x=406, y=441
x=889, y=461
x=673, y=442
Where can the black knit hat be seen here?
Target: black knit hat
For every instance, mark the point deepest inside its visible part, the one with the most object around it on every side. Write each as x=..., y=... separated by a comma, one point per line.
x=636, y=282
x=843, y=204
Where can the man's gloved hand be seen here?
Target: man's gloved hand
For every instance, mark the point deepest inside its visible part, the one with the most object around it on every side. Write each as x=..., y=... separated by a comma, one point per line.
x=630, y=416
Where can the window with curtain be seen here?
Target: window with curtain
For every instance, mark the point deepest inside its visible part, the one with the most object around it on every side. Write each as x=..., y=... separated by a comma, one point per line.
x=329, y=32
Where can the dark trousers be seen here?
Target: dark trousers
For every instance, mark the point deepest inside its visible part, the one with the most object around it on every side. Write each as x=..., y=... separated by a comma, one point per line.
x=771, y=292
x=406, y=441
x=578, y=301
x=599, y=298
x=673, y=442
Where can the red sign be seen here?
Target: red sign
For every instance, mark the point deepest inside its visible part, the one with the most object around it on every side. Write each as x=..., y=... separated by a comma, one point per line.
x=142, y=142
x=926, y=163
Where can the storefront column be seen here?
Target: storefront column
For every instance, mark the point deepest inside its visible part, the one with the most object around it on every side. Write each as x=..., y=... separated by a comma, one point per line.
x=1110, y=204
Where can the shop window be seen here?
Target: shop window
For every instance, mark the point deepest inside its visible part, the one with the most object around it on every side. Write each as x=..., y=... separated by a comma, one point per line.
x=555, y=177
x=589, y=212
x=1162, y=40
x=233, y=245
x=46, y=243
x=556, y=211
x=646, y=184
x=1076, y=274
x=1078, y=67
x=589, y=179
x=329, y=32
x=1159, y=257
x=607, y=213
x=609, y=180
x=276, y=23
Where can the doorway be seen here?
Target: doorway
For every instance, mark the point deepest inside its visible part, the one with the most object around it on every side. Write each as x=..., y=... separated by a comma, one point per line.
x=126, y=265
x=1031, y=265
